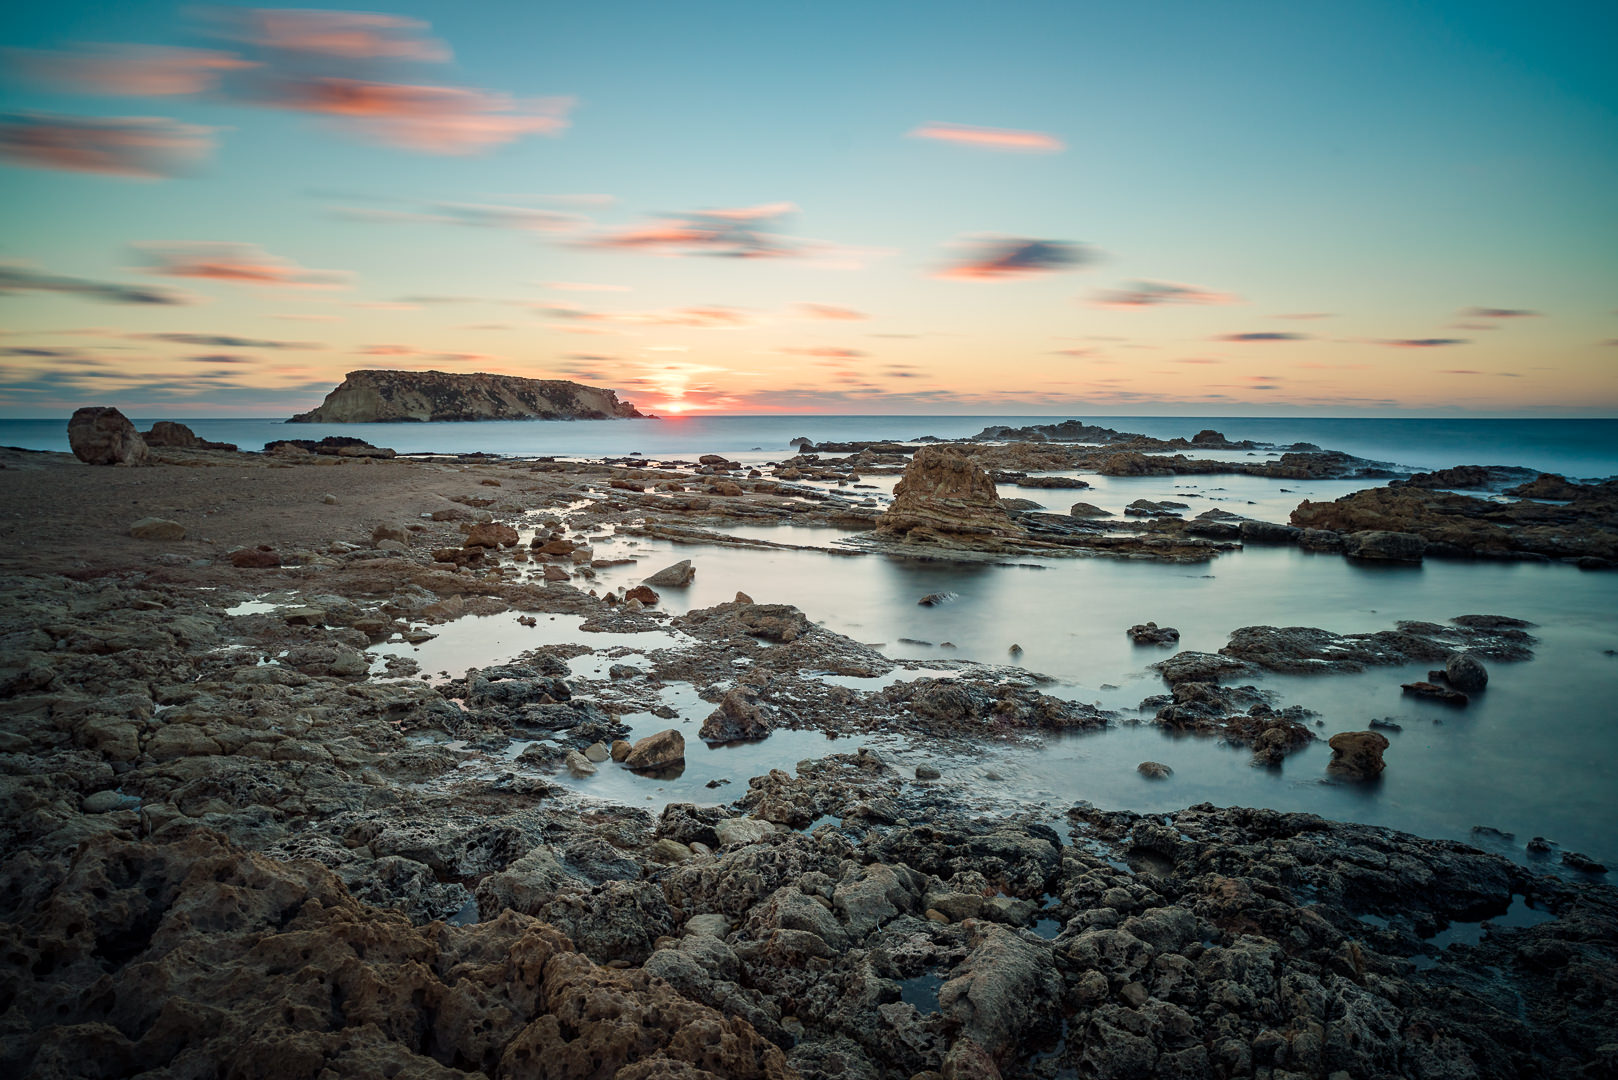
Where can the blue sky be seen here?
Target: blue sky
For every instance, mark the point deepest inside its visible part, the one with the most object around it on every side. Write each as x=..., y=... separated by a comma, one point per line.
x=1036, y=207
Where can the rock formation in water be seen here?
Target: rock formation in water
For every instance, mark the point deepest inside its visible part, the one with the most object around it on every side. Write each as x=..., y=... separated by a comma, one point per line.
x=366, y=397
x=944, y=497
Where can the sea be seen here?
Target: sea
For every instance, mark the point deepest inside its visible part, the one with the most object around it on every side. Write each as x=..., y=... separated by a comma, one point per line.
x=1532, y=756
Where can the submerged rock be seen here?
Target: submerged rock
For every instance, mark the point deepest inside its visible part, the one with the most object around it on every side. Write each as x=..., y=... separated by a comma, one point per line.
x=1383, y=545
x=1433, y=692
x=1466, y=673
x=1152, y=634
x=1154, y=770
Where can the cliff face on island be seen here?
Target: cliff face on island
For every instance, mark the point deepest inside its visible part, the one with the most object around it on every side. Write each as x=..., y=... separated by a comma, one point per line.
x=374, y=396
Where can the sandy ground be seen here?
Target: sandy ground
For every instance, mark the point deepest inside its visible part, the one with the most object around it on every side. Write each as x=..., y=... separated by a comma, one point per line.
x=62, y=516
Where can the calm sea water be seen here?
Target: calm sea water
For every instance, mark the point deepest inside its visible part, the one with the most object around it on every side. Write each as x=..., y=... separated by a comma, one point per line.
x=1580, y=448
x=1531, y=756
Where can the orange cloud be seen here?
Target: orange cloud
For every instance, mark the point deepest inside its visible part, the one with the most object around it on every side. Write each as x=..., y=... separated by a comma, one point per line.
x=148, y=147
x=826, y=351
x=127, y=70
x=732, y=233
x=990, y=138
x=237, y=264
x=431, y=119
x=348, y=35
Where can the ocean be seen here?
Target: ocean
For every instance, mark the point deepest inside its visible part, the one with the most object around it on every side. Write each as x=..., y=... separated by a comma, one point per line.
x=1530, y=757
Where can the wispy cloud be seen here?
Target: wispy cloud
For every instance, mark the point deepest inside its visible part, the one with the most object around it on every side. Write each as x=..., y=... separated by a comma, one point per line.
x=344, y=35
x=584, y=286
x=824, y=351
x=226, y=341
x=739, y=233
x=697, y=317
x=989, y=138
x=1423, y=343
x=1499, y=313
x=1263, y=335
x=1003, y=258
x=1145, y=294
x=236, y=264
x=126, y=70
x=147, y=147
x=1474, y=371
x=431, y=119
x=1307, y=315
x=830, y=312
x=18, y=277
x=473, y=215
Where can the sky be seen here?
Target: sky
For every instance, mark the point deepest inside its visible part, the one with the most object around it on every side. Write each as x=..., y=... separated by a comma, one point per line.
x=1333, y=208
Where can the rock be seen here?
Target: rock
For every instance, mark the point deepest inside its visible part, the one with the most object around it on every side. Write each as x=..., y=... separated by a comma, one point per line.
x=743, y=830
x=107, y=802
x=728, y=488
x=156, y=528
x=396, y=533
x=596, y=753
x=579, y=765
x=329, y=499
x=738, y=718
x=937, y=598
x=1152, y=634
x=378, y=396
x=1267, y=532
x=168, y=434
x=620, y=749
x=657, y=751
x=104, y=436
x=1466, y=673
x=1433, y=692
x=1154, y=770
x=490, y=536
x=1384, y=545
x=259, y=558
x=1147, y=508
x=1087, y=510
x=644, y=593
x=945, y=497
x=1582, y=863
x=1357, y=754
x=674, y=576
x=927, y=772
x=1069, y=483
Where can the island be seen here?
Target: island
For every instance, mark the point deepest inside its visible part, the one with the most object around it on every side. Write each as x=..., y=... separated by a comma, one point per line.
x=375, y=396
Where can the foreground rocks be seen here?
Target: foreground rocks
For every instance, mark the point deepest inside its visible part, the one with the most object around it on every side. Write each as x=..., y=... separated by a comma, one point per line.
x=104, y=436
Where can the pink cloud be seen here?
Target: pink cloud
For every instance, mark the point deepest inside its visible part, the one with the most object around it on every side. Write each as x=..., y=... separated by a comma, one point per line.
x=989, y=138
x=347, y=35
x=473, y=215
x=148, y=147
x=237, y=264
x=1008, y=257
x=128, y=70
x=830, y=312
x=430, y=119
x=739, y=233
x=1144, y=294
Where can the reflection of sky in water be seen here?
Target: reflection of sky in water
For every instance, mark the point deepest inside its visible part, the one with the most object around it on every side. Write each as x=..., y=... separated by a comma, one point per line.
x=1529, y=756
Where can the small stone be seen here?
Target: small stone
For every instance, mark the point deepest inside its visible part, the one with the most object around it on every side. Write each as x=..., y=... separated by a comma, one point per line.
x=155, y=528
x=927, y=772
x=742, y=598
x=106, y=802
x=259, y=558
x=934, y=915
x=743, y=830
x=711, y=924
x=666, y=850
x=1154, y=770
x=1357, y=754
x=675, y=576
x=657, y=751
x=1133, y=994
x=620, y=749
x=596, y=753
x=329, y=499
x=579, y=765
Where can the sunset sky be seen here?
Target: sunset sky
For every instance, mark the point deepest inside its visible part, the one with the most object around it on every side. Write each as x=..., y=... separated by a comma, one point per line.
x=879, y=207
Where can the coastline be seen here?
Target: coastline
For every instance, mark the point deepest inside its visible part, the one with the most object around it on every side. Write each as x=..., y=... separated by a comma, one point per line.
x=188, y=713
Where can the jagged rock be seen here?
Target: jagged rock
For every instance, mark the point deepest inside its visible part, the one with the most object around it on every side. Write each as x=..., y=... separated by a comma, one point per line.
x=743, y=830
x=1152, y=634
x=1087, y=510
x=104, y=436
x=155, y=528
x=1433, y=692
x=644, y=593
x=944, y=494
x=377, y=396
x=657, y=751
x=738, y=718
x=1268, y=532
x=1357, y=754
x=674, y=576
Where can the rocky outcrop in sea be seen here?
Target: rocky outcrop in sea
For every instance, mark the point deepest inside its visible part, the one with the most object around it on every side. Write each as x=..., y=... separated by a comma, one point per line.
x=377, y=396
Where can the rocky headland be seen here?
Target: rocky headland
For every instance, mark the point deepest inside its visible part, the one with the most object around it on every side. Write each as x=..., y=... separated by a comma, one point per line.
x=377, y=396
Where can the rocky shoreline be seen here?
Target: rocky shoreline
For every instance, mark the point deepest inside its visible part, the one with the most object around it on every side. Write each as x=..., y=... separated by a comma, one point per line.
x=241, y=841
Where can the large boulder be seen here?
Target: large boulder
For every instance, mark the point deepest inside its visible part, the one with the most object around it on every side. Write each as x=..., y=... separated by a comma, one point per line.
x=658, y=751
x=1466, y=672
x=944, y=494
x=104, y=436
